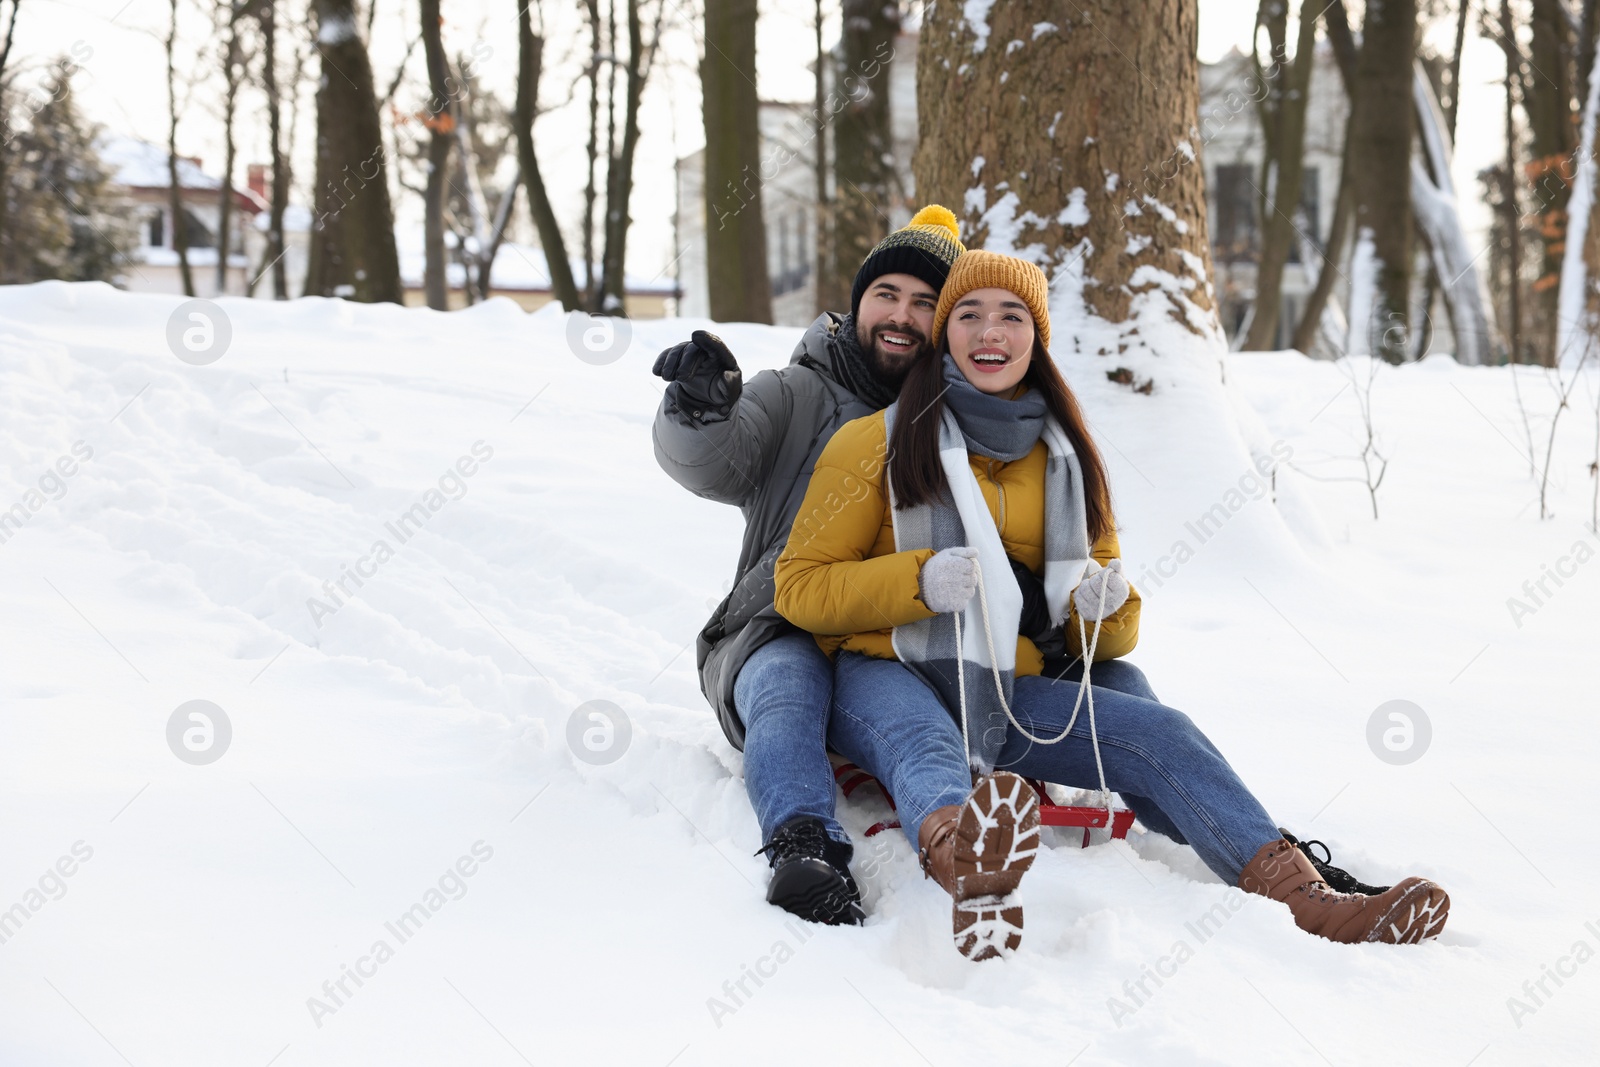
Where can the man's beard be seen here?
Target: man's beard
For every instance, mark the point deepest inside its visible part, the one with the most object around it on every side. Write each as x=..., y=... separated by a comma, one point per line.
x=891, y=367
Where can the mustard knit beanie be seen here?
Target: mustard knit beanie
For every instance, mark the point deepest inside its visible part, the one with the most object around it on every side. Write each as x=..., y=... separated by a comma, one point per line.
x=978, y=269
x=924, y=248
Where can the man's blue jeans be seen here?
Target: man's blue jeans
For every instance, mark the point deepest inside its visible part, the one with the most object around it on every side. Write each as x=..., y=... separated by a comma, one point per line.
x=783, y=694
x=890, y=723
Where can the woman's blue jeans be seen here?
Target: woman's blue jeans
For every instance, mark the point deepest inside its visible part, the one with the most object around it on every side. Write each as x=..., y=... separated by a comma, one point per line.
x=890, y=723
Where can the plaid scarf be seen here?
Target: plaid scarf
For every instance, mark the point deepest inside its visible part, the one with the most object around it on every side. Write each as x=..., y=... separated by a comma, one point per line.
x=928, y=647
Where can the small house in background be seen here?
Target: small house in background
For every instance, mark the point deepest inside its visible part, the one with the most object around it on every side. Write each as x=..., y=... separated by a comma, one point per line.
x=140, y=169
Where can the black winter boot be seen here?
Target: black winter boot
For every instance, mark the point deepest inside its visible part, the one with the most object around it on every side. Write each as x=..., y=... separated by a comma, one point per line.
x=1338, y=879
x=811, y=874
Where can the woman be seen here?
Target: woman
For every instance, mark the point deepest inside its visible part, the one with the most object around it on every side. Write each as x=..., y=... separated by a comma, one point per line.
x=903, y=569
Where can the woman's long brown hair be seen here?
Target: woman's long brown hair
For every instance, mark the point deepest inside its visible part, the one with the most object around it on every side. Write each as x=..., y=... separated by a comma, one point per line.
x=914, y=445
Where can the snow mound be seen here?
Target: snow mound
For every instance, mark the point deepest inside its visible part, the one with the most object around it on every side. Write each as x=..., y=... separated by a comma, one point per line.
x=408, y=554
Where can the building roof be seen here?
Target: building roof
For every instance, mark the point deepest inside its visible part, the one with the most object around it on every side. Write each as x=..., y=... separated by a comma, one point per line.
x=139, y=164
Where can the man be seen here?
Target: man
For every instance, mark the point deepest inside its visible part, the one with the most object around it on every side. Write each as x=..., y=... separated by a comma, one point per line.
x=755, y=446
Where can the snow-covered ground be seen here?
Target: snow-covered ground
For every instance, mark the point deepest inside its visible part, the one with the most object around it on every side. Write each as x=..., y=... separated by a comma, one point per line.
x=404, y=748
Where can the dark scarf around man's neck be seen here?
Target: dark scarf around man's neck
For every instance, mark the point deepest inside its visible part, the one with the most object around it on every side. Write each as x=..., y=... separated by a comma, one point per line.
x=993, y=425
x=853, y=370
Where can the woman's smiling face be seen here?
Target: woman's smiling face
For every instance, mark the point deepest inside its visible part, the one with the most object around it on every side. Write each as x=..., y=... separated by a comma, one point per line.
x=990, y=334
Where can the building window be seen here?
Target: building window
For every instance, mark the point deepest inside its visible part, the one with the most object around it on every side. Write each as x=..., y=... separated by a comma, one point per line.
x=197, y=233
x=1238, y=231
x=789, y=245
x=156, y=229
x=1236, y=213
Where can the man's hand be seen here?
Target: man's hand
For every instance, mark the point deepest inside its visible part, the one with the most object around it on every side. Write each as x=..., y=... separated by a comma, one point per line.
x=707, y=375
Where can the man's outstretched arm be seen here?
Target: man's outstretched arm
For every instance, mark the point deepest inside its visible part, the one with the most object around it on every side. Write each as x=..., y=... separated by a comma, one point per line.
x=713, y=436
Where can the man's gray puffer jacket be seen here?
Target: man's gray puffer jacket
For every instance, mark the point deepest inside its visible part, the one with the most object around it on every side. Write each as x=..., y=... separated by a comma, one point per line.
x=760, y=458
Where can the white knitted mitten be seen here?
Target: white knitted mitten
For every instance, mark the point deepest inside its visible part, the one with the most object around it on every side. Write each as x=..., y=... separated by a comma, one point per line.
x=948, y=580
x=1097, y=580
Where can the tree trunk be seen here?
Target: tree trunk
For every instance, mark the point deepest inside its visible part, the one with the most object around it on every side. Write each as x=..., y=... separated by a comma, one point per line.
x=230, y=97
x=619, y=178
x=736, y=236
x=1281, y=193
x=1310, y=327
x=352, y=238
x=5, y=145
x=1586, y=40
x=1337, y=23
x=1087, y=164
x=1513, y=223
x=267, y=16
x=530, y=55
x=475, y=256
x=497, y=234
x=1381, y=127
x=824, y=261
x=1463, y=10
x=863, y=148
x=441, y=123
x=590, y=192
x=1549, y=172
x=180, y=227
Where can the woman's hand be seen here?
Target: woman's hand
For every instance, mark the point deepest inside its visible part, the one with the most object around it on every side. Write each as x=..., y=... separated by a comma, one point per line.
x=1102, y=591
x=949, y=579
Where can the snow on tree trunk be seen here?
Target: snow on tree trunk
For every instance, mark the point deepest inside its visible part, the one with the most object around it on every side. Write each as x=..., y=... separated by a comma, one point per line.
x=1052, y=143
x=1438, y=215
x=1578, y=319
x=1067, y=134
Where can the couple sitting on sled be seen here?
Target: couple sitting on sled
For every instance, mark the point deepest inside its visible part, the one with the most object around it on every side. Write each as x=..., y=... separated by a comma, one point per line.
x=930, y=586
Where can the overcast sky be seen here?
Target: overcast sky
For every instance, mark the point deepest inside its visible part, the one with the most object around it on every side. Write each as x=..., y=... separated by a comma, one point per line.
x=123, y=87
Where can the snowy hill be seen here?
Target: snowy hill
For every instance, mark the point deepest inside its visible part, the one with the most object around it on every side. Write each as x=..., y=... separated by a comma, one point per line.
x=399, y=857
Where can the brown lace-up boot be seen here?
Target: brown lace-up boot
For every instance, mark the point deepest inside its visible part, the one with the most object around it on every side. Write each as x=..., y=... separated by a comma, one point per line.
x=1412, y=911
x=978, y=852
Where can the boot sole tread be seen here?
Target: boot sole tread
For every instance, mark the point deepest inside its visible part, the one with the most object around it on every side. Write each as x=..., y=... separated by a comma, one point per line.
x=997, y=839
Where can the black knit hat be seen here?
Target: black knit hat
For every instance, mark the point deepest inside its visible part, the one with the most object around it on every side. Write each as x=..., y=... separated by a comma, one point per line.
x=924, y=248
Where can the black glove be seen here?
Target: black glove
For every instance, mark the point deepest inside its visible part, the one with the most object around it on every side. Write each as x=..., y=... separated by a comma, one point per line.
x=1035, y=621
x=704, y=372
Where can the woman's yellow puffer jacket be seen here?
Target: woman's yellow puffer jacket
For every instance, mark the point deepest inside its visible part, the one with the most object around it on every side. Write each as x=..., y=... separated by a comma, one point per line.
x=840, y=578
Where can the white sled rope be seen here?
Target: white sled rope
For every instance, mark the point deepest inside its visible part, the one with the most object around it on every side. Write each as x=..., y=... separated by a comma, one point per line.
x=1087, y=644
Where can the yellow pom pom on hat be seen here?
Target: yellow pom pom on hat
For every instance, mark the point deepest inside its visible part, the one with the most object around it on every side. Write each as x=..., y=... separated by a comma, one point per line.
x=939, y=220
x=980, y=269
x=923, y=248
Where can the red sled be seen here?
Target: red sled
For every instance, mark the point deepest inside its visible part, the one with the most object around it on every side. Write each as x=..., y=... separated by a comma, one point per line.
x=850, y=778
